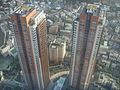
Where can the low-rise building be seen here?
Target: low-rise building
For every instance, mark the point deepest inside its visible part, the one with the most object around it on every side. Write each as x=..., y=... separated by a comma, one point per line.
x=106, y=63
x=104, y=47
x=117, y=29
x=53, y=29
x=105, y=78
x=113, y=65
x=105, y=56
x=4, y=50
x=60, y=24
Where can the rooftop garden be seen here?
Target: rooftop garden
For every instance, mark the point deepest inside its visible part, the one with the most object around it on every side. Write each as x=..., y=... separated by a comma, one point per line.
x=13, y=51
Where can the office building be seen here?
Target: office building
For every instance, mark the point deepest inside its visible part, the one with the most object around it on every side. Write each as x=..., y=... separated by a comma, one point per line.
x=87, y=30
x=30, y=34
x=57, y=50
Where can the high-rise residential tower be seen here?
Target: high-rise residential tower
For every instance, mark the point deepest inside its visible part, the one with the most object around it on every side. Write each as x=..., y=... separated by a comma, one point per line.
x=87, y=30
x=30, y=34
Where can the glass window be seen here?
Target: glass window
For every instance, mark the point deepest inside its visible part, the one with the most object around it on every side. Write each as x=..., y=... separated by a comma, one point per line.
x=81, y=27
x=93, y=27
x=94, y=22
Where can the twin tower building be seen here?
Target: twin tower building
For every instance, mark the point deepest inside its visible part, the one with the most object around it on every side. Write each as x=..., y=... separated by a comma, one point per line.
x=31, y=41
x=30, y=34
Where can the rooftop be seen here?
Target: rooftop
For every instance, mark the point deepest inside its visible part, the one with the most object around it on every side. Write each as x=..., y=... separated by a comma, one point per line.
x=56, y=45
x=68, y=26
x=23, y=10
x=58, y=42
x=92, y=6
x=89, y=8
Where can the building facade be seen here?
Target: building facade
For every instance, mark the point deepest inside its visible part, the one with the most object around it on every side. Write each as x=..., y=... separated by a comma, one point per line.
x=87, y=30
x=30, y=34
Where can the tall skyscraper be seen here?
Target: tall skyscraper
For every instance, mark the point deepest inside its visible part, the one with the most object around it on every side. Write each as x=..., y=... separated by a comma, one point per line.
x=87, y=29
x=30, y=34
